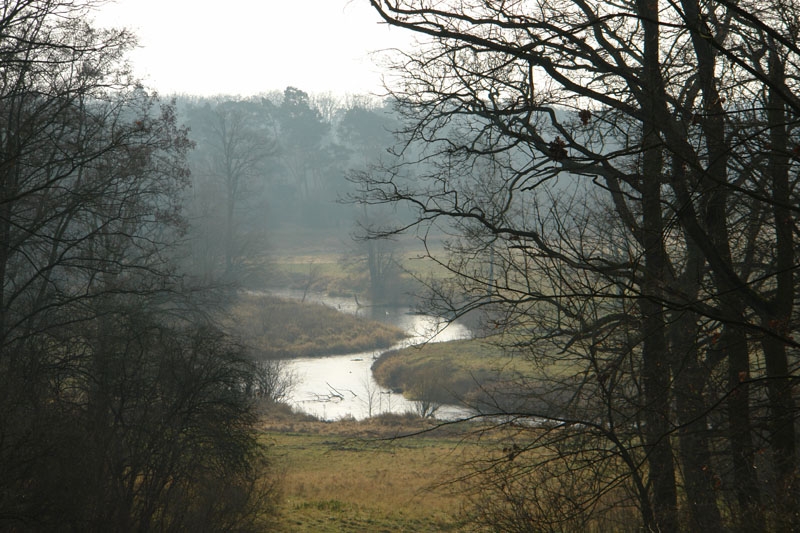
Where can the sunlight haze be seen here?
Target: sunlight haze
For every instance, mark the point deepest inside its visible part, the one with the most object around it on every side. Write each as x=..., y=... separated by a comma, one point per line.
x=247, y=47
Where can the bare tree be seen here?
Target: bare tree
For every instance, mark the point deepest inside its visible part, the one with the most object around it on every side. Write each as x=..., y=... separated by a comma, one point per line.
x=372, y=395
x=272, y=380
x=616, y=186
x=235, y=139
x=120, y=407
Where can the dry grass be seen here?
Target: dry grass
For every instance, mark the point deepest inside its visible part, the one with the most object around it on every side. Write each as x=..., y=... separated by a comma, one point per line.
x=345, y=476
x=459, y=368
x=276, y=328
x=350, y=476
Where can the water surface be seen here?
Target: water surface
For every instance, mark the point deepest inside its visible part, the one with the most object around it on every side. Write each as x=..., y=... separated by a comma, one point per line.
x=340, y=386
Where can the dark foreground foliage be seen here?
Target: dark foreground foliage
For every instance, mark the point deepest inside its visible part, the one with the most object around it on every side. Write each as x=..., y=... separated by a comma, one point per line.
x=133, y=425
x=115, y=414
x=616, y=189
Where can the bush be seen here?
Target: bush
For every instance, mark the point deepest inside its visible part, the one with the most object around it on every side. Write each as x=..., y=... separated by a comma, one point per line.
x=141, y=426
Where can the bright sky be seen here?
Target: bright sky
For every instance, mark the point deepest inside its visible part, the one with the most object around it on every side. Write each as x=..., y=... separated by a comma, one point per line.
x=246, y=47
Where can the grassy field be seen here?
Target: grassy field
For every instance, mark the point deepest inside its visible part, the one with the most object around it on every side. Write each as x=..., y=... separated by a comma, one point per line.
x=346, y=476
x=350, y=476
x=329, y=261
x=277, y=328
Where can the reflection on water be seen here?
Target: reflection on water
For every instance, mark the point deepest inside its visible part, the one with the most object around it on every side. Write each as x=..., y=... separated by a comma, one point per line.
x=340, y=386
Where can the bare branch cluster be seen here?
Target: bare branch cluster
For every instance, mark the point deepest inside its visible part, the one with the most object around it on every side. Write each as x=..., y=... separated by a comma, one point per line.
x=614, y=186
x=121, y=407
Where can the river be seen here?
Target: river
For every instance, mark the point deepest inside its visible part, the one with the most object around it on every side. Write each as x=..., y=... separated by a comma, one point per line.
x=341, y=386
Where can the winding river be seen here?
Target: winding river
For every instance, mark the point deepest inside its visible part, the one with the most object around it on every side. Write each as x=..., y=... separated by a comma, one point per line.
x=341, y=386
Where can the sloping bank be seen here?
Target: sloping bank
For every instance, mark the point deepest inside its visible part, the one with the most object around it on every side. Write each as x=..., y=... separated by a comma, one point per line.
x=457, y=372
x=276, y=328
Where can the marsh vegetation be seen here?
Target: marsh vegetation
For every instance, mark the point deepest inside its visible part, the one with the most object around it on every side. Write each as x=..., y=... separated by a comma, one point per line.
x=278, y=328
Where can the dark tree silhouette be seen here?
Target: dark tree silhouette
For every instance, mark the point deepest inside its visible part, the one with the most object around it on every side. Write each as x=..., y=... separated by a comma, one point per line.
x=120, y=407
x=617, y=185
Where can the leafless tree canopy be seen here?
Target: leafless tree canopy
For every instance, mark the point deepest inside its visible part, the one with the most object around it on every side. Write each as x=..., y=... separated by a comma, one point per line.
x=614, y=185
x=120, y=408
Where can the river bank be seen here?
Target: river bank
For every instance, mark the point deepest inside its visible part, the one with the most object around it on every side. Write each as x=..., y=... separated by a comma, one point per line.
x=274, y=327
x=333, y=385
x=343, y=386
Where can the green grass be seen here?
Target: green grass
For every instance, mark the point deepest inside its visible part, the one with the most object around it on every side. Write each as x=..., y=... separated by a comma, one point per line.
x=277, y=328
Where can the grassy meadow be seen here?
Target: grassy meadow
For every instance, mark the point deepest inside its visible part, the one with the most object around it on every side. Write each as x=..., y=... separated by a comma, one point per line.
x=329, y=261
x=348, y=475
x=353, y=476
x=396, y=473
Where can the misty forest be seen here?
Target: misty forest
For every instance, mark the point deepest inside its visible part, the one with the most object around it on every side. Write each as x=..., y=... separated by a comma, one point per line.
x=547, y=281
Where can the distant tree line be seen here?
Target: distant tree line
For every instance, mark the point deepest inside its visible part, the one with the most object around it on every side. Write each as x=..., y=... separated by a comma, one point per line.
x=279, y=162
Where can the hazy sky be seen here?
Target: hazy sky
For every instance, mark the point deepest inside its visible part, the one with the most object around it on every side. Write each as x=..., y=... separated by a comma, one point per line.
x=251, y=46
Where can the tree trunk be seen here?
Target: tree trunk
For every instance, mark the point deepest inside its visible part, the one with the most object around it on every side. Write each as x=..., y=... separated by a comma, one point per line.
x=701, y=483
x=750, y=514
x=779, y=381
x=655, y=350
x=656, y=382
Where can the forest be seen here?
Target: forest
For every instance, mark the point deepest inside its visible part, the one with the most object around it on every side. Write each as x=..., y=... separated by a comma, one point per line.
x=606, y=192
x=277, y=164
